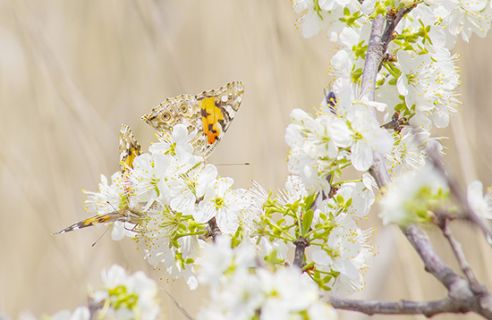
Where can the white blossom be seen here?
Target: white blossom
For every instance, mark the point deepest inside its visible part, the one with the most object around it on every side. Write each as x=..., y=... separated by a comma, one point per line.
x=479, y=202
x=239, y=291
x=410, y=196
x=222, y=203
x=127, y=296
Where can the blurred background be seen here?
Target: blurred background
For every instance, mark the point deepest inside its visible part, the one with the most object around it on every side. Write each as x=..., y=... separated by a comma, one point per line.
x=72, y=71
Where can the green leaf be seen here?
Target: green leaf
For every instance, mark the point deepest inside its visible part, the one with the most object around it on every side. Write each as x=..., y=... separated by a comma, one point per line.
x=307, y=219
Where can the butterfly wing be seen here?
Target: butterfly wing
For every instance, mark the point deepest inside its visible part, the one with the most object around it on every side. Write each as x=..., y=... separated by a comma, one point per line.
x=209, y=113
x=97, y=219
x=183, y=109
x=218, y=108
x=129, y=150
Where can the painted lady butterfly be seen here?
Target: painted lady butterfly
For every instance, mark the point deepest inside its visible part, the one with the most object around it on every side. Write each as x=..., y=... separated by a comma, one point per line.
x=209, y=112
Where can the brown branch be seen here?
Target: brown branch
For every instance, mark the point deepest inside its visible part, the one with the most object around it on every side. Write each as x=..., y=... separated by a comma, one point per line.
x=392, y=20
x=419, y=240
x=459, y=289
x=457, y=193
x=461, y=297
x=94, y=308
x=381, y=35
x=213, y=229
x=475, y=286
x=417, y=237
x=456, y=285
x=299, y=254
x=302, y=243
x=426, y=308
x=374, y=56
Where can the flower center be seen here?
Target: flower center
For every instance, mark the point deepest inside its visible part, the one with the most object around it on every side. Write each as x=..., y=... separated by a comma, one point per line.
x=219, y=203
x=121, y=298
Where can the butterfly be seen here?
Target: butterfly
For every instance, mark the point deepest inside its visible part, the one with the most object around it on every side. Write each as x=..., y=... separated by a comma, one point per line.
x=209, y=113
x=129, y=149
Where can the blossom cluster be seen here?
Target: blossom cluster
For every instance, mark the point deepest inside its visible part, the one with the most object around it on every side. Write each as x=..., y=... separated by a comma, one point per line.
x=336, y=249
x=121, y=297
x=415, y=92
x=179, y=201
x=242, y=289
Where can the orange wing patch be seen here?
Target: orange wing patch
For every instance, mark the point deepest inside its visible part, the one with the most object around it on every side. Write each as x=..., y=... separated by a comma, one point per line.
x=211, y=115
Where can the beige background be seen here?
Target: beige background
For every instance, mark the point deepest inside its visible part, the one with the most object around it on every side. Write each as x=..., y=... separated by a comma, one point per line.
x=72, y=71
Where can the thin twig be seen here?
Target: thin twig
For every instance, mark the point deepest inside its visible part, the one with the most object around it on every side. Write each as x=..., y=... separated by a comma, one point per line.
x=456, y=285
x=392, y=20
x=475, y=286
x=179, y=306
x=457, y=193
x=426, y=308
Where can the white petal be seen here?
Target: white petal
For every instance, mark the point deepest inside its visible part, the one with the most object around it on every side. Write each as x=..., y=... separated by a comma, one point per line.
x=402, y=84
x=204, y=212
x=227, y=221
x=311, y=25
x=361, y=157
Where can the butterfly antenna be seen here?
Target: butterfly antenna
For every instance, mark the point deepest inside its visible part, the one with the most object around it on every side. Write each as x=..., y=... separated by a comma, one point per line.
x=99, y=238
x=234, y=164
x=111, y=205
x=178, y=305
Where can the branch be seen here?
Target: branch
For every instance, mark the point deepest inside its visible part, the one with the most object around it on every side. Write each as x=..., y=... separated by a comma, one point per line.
x=456, y=285
x=417, y=238
x=392, y=20
x=427, y=308
x=381, y=35
x=213, y=229
x=374, y=56
x=458, y=194
x=302, y=243
x=475, y=286
x=459, y=288
x=179, y=306
x=299, y=255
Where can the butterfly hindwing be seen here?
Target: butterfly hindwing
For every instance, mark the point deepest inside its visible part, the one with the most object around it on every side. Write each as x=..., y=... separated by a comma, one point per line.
x=129, y=148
